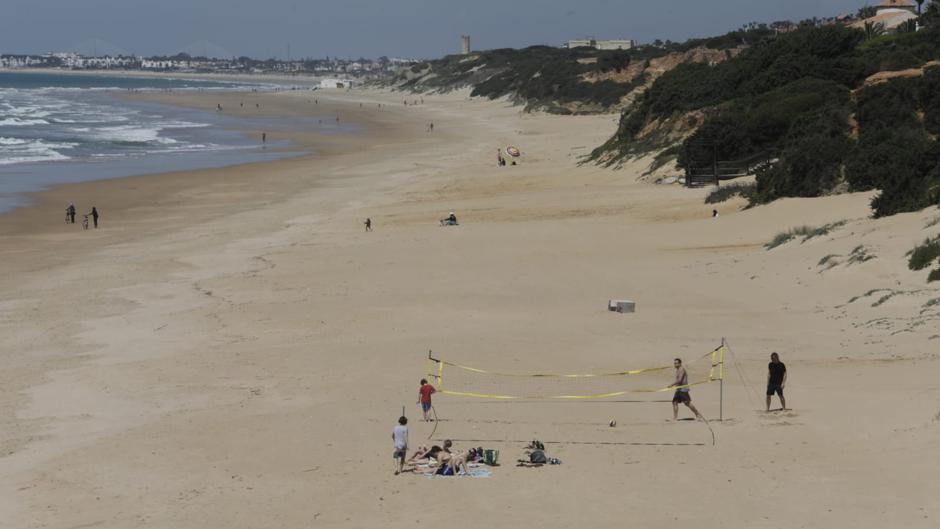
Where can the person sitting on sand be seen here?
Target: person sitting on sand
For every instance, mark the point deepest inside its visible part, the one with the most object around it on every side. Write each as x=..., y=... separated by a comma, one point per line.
x=450, y=220
x=424, y=452
x=450, y=463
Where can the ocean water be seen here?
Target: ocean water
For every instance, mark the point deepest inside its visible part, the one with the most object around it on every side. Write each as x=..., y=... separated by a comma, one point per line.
x=71, y=128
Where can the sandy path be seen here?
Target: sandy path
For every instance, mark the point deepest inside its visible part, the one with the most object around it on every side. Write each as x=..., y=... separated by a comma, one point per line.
x=232, y=351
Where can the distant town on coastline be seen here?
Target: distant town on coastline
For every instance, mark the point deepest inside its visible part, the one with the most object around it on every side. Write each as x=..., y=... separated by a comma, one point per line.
x=183, y=62
x=889, y=16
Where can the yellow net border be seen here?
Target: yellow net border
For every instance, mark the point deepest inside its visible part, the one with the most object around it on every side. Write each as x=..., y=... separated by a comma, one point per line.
x=436, y=372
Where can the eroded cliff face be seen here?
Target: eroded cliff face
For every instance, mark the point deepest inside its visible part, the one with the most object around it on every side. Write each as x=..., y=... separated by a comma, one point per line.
x=591, y=82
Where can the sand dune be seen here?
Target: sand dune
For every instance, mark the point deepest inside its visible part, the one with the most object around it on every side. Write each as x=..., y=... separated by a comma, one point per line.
x=232, y=350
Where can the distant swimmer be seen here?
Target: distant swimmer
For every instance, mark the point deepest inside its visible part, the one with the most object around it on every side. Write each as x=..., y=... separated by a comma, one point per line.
x=368, y=224
x=682, y=395
x=776, y=379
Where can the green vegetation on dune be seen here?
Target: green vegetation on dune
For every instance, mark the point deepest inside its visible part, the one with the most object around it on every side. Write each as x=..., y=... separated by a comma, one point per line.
x=804, y=95
x=558, y=80
x=540, y=77
x=806, y=233
x=926, y=255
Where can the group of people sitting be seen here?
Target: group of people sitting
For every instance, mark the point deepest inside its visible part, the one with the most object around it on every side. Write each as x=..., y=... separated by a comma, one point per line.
x=444, y=461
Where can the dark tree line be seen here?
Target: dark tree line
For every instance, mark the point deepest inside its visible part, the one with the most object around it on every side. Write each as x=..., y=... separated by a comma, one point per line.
x=803, y=94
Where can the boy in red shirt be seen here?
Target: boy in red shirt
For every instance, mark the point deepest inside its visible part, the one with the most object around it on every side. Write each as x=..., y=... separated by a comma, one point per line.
x=424, y=397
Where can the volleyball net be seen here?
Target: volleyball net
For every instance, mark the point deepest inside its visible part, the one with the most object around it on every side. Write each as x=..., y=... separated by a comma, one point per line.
x=465, y=381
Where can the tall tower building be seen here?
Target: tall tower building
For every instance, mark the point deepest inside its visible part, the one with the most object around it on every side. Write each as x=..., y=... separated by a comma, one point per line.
x=465, y=44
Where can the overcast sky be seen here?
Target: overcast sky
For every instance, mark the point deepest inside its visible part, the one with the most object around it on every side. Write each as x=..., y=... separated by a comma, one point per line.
x=370, y=28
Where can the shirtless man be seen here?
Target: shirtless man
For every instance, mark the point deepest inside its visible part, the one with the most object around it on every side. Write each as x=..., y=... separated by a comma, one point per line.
x=776, y=380
x=681, y=384
x=424, y=452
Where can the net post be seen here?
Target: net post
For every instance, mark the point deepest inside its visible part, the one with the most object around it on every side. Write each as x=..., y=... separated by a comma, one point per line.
x=721, y=383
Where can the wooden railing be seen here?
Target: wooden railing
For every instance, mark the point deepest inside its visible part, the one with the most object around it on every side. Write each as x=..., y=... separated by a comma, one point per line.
x=711, y=172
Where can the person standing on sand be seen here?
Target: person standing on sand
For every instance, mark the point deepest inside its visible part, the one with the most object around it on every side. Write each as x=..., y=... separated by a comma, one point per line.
x=776, y=379
x=424, y=398
x=368, y=224
x=400, y=437
x=264, y=138
x=94, y=216
x=70, y=213
x=682, y=395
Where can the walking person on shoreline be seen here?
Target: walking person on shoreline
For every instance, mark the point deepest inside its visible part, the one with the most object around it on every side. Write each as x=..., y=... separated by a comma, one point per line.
x=94, y=216
x=70, y=214
x=776, y=380
x=368, y=224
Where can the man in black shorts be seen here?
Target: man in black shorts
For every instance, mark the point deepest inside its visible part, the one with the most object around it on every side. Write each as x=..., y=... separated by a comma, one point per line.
x=776, y=379
x=681, y=384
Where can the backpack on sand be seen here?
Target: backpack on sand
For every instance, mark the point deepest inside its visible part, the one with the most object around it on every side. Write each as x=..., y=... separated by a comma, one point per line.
x=537, y=457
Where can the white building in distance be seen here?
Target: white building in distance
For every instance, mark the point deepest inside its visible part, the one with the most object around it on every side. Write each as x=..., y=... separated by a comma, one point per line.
x=616, y=44
x=891, y=14
x=335, y=83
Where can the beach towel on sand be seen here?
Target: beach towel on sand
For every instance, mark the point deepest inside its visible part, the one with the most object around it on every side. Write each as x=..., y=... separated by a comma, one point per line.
x=474, y=473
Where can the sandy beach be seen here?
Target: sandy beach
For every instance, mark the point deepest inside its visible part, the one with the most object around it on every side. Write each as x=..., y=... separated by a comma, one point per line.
x=231, y=349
